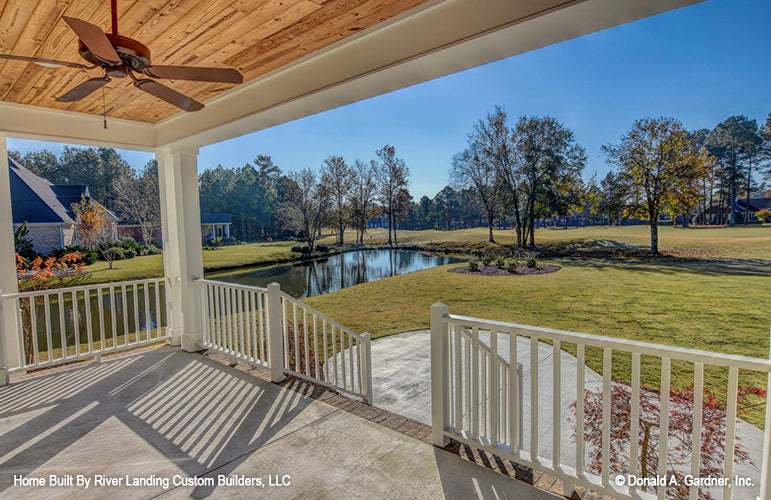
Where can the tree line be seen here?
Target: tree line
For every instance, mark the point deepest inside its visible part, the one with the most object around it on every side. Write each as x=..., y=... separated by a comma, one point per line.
x=507, y=174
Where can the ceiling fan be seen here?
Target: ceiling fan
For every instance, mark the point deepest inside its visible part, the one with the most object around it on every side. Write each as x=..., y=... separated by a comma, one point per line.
x=120, y=57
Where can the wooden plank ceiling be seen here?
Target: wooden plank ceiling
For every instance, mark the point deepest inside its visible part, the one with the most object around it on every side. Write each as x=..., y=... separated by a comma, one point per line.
x=253, y=36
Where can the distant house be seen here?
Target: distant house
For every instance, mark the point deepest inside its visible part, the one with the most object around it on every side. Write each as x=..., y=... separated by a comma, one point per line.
x=755, y=206
x=215, y=225
x=46, y=208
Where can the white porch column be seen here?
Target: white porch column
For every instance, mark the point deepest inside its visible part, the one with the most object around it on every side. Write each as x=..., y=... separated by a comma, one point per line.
x=9, y=328
x=182, y=253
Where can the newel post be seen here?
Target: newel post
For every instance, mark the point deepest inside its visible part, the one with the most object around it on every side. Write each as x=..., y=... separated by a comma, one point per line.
x=275, y=334
x=440, y=402
x=765, y=470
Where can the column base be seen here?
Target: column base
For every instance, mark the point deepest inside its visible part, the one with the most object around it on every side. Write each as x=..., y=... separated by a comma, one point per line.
x=175, y=336
x=191, y=342
x=5, y=377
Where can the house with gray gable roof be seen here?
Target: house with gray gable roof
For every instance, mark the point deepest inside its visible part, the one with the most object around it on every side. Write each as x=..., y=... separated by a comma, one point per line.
x=46, y=208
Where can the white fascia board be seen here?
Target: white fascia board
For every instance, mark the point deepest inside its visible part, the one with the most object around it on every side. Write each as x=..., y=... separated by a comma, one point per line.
x=45, y=124
x=430, y=41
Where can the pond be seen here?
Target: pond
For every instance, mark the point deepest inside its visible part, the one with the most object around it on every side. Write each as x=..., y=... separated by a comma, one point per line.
x=325, y=275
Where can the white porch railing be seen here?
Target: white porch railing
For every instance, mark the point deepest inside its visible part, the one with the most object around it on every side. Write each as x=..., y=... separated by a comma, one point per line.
x=68, y=324
x=267, y=327
x=474, y=395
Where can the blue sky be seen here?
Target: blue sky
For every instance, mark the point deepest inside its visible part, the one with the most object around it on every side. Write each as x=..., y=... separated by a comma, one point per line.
x=700, y=64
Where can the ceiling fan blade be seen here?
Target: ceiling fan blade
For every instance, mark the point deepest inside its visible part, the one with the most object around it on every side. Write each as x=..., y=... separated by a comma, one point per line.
x=169, y=95
x=95, y=39
x=48, y=63
x=83, y=90
x=218, y=75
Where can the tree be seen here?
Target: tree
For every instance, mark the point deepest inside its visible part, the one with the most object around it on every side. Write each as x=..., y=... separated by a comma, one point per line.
x=306, y=208
x=732, y=141
x=392, y=174
x=337, y=180
x=471, y=168
x=654, y=159
x=549, y=163
x=138, y=197
x=612, y=198
x=362, y=195
x=679, y=433
x=94, y=228
x=493, y=137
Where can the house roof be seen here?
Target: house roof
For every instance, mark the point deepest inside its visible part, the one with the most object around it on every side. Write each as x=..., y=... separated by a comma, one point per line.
x=214, y=218
x=36, y=200
x=756, y=204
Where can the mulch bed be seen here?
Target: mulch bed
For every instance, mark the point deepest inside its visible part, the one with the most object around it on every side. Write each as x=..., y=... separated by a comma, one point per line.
x=522, y=269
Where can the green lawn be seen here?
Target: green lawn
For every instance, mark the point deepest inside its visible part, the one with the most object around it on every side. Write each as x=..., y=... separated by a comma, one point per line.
x=151, y=266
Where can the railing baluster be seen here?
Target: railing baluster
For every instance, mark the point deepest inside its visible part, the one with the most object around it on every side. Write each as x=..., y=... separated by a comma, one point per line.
x=203, y=293
x=285, y=331
x=305, y=343
x=698, y=408
x=730, y=430
x=240, y=321
x=556, y=403
x=467, y=343
x=124, y=305
x=334, y=354
x=580, y=390
x=514, y=408
x=475, y=383
x=534, y=399
x=137, y=330
x=251, y=336
x=62, y=324
x=457, y=332
x=263, y=346
x=114, y=318
x=326, y=350
x=33, y=329
x=607, y=367
x=634, y=444
x=102, y=332
x=316, y=346
x=76, y=323
x=158, y=310
x=49, y=336
x=219, y=299
x=661, y=492
x=89, y=320
x=494, y=394
x=148, y=333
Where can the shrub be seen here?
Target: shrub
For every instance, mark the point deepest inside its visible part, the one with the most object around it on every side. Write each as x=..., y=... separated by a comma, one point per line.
x=89, y=256
x=215, y=242
x=764, y=215
x=300, y=249
x=486, y=260
x=473, y=265
x=151, y=250
x=231, y=241
x=512, y=266
x=532, y=263
x=500, y=262
x=322, y=248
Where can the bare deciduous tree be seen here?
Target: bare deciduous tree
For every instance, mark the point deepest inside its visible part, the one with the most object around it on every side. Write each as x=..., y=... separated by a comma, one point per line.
x=137, y=196
x=392, y=174
x=306, y=207
x=337, y=181
x=362, y=196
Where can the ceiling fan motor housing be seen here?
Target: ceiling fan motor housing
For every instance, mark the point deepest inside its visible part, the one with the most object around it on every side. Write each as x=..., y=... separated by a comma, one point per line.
x=132, y=53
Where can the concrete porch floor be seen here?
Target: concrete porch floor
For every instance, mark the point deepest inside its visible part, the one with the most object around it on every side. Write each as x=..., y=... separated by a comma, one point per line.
x=163, y=414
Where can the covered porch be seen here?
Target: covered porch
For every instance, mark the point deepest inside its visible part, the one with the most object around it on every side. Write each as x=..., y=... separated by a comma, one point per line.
x=169, y=412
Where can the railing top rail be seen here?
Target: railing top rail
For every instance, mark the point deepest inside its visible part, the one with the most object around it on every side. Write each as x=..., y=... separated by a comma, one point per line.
x=680, y=353
x=93, y=286
x=232, y=285
x=322, y=316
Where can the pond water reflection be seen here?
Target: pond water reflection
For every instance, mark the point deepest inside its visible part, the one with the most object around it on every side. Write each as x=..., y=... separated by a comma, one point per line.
x=325, y=275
